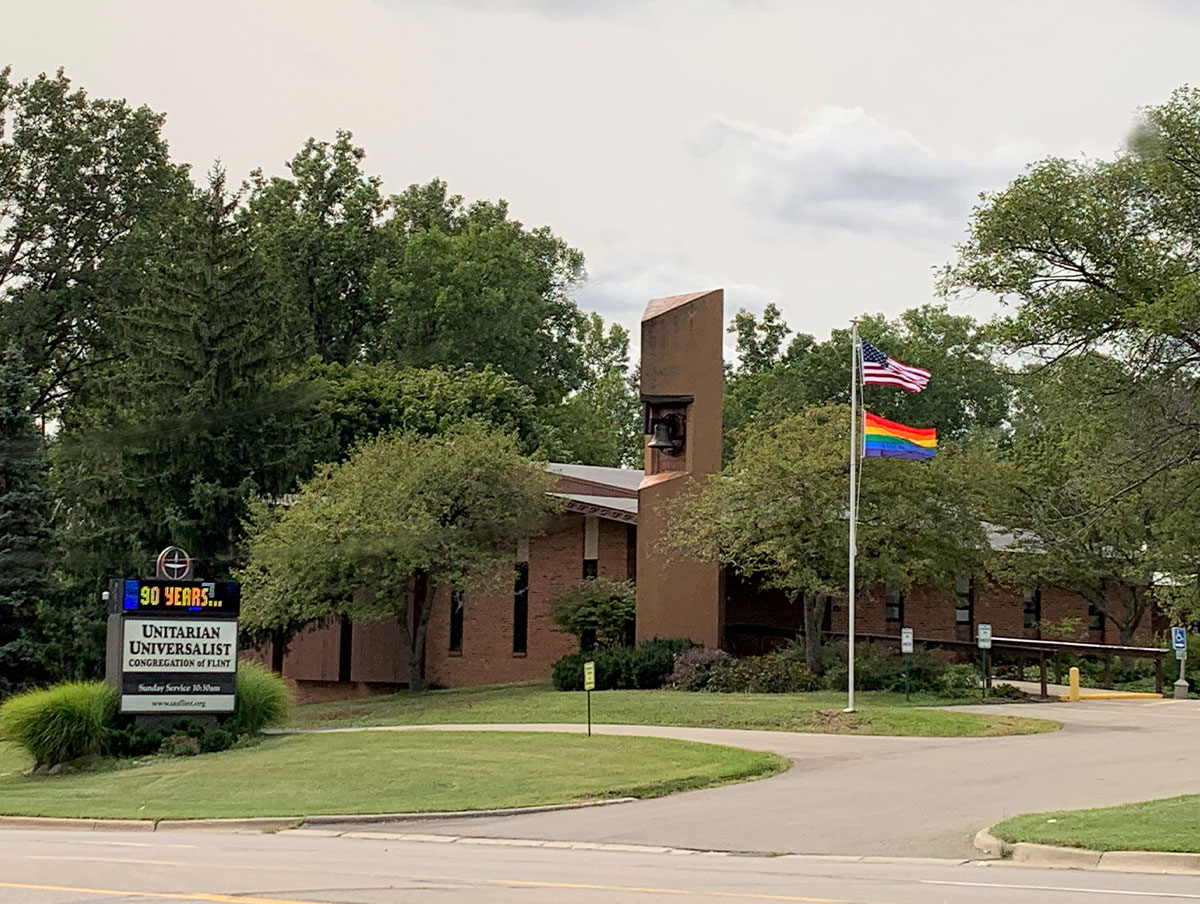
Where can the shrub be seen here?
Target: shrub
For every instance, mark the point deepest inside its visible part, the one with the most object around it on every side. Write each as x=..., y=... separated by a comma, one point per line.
x=132, y=740
x=881, y=668
x=1006, y=692
x=598, y=611
x=60, y=723
x=263, y=700
x=770, y=674
x=179, y=745
x=215, y=739
x=568, y=671
x=958, y=681
x=621, y=668
x=693, y=668
x=652, y=662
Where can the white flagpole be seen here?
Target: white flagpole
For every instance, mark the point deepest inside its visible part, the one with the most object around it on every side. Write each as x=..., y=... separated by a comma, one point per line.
x=853, y=508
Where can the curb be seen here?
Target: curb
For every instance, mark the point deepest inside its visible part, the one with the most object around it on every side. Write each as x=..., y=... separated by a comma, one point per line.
x=267, y=824
x=373, y=818
x=1054, y=857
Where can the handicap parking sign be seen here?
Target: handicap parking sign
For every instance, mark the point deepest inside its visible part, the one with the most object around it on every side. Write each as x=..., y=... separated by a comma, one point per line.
x=1179, y=638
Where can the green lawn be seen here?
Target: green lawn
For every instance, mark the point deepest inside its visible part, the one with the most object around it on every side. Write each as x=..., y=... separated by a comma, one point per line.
x=1154, y=825
x=880, y=713
x=392, y=772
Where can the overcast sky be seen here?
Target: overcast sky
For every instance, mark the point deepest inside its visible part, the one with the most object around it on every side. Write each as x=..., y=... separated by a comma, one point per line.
x=821, y=155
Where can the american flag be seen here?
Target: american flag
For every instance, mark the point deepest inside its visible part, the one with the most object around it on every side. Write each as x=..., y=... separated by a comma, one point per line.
x=881, y=370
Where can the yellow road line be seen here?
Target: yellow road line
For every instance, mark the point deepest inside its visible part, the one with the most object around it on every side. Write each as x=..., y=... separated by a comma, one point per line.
x=581, y=886
x=172, y=896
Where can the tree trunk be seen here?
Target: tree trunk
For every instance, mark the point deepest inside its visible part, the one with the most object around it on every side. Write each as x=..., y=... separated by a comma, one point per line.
x=814, y=615
x=406, y=634
x=1133, y=606
x=424, y=590
x=1133, y=602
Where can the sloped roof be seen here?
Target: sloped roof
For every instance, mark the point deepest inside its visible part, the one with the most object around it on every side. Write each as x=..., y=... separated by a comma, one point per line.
x=659, y=306
x=621, y=478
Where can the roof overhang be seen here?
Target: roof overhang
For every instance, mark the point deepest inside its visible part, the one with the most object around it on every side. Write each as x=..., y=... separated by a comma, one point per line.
x=611, y=508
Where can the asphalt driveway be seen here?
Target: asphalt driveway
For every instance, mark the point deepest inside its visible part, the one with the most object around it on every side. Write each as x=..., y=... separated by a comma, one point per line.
x=915, y=797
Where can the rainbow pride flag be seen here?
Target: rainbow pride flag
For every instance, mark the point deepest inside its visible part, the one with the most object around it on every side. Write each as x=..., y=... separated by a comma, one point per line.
x=887, y=439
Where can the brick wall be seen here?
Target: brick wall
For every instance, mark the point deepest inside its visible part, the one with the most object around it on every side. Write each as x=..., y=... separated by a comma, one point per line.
x=930, y=612
x=313, y=654
x=379, y=662
x=555, y=565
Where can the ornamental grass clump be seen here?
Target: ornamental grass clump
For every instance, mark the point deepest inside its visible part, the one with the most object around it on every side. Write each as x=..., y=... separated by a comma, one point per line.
x=263, y=700
x=60, y=723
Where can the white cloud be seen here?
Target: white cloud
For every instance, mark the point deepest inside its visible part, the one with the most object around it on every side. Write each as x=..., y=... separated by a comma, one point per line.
x=619, y=287
x=844, y=170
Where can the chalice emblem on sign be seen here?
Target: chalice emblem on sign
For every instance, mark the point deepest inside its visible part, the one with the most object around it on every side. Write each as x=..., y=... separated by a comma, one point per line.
x=174, y=564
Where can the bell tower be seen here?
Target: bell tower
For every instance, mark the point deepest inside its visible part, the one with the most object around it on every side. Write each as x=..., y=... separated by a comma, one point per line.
x=682, y=389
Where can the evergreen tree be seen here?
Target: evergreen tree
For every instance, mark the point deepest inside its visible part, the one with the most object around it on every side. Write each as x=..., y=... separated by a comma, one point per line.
x=193, y=427
x=24, y=530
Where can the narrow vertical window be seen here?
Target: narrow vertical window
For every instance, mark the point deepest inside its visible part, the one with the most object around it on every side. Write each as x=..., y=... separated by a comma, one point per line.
x=631, y=553
x=521, y=608
x=345, y=648
x=521, y=599
x=456, y=619
x=1033, y=606
x=893, y=604
x=964, y=590
x=1095, y=619
x=591, y=546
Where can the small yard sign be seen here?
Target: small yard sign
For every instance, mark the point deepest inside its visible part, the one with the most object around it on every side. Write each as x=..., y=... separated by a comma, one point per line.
x=589, y=685
x=985, y=637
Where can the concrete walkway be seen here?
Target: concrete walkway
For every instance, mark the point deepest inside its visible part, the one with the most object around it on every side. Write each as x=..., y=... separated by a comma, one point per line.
x=1062, y=690
x=887, y=796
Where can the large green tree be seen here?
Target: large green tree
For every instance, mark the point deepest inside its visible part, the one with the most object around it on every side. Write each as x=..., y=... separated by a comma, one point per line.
x=321, y=222
x=190, y=426
x=1104, y=255
x=86, y=191
x=378, y=535
x=353, y=404
x=1101, y=256
x=777, y=512
x=25, y=543
x=1099, y=253
x=600, y=422
x=469, y=285
x=1089, y=513
x=968, y=392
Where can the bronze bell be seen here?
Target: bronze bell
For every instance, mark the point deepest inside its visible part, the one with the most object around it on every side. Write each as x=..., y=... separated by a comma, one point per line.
x=661, y=438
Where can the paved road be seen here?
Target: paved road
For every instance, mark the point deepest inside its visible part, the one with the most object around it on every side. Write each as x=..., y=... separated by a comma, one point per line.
x=891, y=796
x=71, y=867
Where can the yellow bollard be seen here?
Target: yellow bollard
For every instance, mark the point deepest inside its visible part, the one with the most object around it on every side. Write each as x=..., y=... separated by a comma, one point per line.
x=1073, y=696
